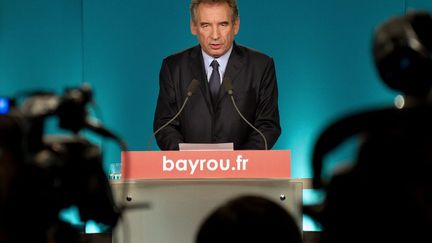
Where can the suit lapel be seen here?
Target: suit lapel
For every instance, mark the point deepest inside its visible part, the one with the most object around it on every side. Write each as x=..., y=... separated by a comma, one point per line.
x=234, y=65
x=196, y=66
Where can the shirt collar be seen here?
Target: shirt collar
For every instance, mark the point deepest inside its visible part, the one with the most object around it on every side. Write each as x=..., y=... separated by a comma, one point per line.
x=222, y=60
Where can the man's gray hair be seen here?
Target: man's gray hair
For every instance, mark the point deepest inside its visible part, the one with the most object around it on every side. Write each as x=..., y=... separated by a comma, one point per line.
x=232, y=3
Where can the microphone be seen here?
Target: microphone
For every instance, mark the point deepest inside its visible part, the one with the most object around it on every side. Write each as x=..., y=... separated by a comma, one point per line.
x=192, y=88
x=190, y=91
x=229, y=89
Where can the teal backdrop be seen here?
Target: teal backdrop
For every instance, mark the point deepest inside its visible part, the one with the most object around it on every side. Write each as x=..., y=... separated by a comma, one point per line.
x=322, y=52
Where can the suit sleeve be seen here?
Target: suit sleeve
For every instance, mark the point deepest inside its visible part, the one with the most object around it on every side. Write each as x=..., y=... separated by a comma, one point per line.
x=167, y=106
x=267, y=112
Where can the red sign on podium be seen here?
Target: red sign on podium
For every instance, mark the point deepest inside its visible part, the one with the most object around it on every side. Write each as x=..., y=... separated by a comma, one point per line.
x=206, y=164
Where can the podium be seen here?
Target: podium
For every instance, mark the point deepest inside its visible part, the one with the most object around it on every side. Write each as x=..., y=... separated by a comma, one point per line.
x=179, y=201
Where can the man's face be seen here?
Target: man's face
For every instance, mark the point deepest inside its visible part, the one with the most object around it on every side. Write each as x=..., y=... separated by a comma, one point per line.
x=214, y=28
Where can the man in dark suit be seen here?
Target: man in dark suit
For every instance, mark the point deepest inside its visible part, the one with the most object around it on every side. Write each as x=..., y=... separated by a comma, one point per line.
x=210, y=116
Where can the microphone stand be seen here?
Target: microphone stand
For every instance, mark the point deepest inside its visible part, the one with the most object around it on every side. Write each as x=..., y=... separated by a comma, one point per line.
x=229, y=89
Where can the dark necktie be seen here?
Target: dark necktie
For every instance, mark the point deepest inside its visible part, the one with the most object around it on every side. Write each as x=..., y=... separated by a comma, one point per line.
x=215, y=80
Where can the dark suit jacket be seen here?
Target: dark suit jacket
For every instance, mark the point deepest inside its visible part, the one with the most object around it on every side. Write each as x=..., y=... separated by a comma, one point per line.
x=204, y=121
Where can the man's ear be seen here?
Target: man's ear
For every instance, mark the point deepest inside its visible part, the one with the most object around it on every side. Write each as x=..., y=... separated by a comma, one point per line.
x=193, y=28
x=236, y=26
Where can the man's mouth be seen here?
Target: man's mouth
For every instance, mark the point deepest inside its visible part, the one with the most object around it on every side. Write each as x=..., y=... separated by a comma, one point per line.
x=215, y=46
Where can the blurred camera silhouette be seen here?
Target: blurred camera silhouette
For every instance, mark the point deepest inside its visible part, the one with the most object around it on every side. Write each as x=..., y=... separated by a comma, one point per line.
x=40, y=174
x=386, y=195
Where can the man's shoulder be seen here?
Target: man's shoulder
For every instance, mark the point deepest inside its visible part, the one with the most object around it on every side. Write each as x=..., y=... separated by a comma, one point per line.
x=251, y=52
x=180, y=55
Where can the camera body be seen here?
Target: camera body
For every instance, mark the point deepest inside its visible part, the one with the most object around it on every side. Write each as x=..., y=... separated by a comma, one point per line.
x=41, y=174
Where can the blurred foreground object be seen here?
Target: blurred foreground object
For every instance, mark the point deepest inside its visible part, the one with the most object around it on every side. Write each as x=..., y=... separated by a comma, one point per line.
x=249, y=219
x=40, y=175
x=386, y=196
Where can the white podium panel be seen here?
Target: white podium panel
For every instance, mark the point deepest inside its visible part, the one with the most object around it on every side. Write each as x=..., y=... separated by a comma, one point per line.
x=178, y=207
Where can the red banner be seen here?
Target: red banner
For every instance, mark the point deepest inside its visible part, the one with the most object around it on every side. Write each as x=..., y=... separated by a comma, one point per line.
x=206, y=164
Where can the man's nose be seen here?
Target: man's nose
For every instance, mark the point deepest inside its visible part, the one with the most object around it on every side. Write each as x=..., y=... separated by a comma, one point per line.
x=215, y=34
